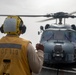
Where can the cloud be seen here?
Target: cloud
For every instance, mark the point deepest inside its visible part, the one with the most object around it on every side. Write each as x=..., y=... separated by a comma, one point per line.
x=8, y=2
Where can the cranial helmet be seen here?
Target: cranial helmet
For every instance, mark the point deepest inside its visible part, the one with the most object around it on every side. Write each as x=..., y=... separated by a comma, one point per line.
x=13, y=25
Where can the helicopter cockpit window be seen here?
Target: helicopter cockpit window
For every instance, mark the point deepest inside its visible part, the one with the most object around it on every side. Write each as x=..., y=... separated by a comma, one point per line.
x=47, y=35
x=54, y=35
x=59, y=35
x=68, y=35
x=71, y=36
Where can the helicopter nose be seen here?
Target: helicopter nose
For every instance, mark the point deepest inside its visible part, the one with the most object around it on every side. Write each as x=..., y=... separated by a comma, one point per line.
x=58, y=52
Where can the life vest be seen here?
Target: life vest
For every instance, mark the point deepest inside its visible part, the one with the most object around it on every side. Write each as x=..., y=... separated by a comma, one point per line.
x=13, y=56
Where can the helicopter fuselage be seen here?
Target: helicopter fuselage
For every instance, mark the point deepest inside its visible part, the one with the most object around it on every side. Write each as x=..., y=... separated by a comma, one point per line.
x=59, y=45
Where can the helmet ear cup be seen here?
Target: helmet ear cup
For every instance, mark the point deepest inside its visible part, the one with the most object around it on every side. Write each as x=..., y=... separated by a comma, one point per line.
x=1, y=29
x=22, y=28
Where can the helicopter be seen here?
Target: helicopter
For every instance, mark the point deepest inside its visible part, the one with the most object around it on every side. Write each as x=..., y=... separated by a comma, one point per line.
x=58, y=39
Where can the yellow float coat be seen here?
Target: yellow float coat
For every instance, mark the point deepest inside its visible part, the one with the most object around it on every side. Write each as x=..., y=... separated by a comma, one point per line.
x=13, y=56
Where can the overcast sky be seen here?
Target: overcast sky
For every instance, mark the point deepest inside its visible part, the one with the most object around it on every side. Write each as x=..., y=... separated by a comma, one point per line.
x=24, y=7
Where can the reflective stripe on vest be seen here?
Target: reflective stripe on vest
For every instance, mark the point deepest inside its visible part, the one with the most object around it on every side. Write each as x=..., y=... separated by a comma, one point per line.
x=9, y=45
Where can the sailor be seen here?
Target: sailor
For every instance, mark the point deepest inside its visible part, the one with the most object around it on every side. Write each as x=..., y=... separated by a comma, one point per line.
x=17, y=55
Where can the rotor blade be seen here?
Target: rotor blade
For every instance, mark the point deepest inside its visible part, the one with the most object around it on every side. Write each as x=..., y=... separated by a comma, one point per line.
x=46, y=20
x=72, y=13
x=73, y=16
x=32, y=15
x=28, y=15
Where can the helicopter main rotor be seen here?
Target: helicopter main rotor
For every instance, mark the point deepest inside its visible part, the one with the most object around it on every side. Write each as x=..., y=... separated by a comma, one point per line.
x=53, y=15
x=58, y=15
